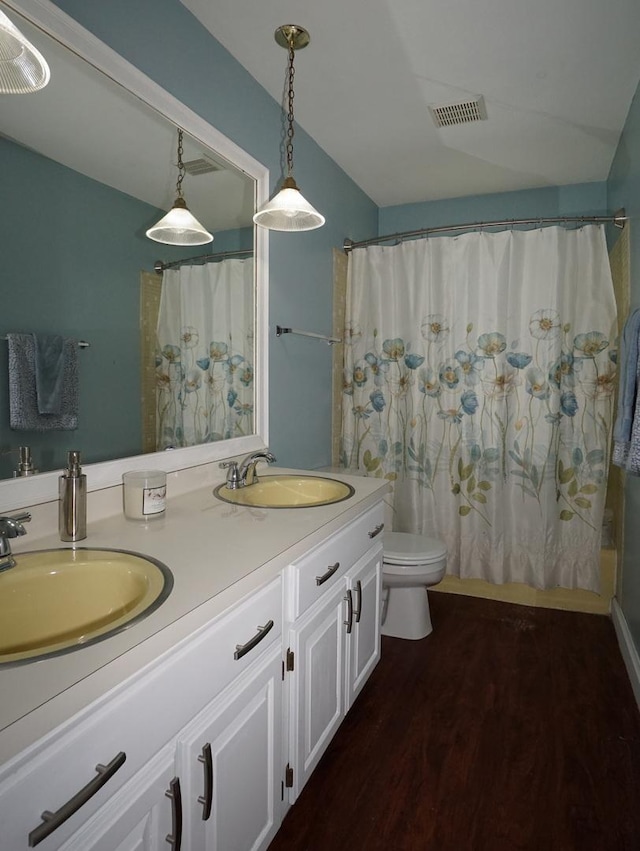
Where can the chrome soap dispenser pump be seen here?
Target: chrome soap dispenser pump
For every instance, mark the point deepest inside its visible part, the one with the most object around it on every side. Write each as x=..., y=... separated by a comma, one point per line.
x=72, y=506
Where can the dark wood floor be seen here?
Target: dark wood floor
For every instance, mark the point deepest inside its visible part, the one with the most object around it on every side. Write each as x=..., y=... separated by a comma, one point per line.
x=509, y=728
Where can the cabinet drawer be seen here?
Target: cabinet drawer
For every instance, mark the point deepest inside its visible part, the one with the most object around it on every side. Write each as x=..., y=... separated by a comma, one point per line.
x=316, y=572
x=231, y=645
x=135, y=720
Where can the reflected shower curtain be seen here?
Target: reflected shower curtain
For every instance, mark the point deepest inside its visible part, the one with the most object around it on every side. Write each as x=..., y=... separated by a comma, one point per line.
x=204, y=362
x=479, y=379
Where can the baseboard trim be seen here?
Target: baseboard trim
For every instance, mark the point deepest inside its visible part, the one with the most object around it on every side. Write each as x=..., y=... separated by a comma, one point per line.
x=627, y=647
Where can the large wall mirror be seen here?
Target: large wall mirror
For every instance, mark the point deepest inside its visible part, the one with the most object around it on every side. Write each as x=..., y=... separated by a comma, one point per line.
x=89, y=164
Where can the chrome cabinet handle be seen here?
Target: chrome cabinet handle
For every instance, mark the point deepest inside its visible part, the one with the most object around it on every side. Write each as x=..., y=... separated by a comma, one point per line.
x=175, y=837
x=52, y=821
x=243, y=649
x=206, y=800
x=349, y=621
x=376, y=530
x=332, y=569
x=358, y=609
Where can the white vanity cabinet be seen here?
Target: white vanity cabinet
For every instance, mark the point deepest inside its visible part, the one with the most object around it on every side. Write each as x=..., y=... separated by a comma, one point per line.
x=214, y=789
x=139, y=816
x=363, y=642
x=205, y=747
x=333, y=619
x=231, y=760
x=135, y=734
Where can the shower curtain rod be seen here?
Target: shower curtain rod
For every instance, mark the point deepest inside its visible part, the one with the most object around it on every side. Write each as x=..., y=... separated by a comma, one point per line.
x=618, y=219
x=159, y=266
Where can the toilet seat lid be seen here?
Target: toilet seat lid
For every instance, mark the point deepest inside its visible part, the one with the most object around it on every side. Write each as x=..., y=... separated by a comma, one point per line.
x=406, y=548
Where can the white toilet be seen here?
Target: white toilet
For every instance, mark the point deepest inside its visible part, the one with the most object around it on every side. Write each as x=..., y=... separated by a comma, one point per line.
x=411, y=563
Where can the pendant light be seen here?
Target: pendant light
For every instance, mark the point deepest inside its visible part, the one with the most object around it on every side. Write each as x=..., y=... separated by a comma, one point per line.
x=179, y=226
x=288, y=210
x=23, y=69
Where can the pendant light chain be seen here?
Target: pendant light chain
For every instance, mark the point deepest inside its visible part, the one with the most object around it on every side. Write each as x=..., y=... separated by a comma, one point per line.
x=288, y=210
x=179, y=226
x=180, y=164
x=290, y=130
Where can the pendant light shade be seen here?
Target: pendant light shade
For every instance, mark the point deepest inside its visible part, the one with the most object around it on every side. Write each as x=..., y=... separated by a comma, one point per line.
x=179, y=226
x=288, y=210
x=23, y=69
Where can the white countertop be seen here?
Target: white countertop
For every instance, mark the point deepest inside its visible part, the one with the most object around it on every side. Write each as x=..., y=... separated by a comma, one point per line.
x=218, y=553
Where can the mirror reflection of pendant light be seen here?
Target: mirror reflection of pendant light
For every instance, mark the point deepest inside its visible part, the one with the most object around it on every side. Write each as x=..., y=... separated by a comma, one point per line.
x=288, y=210
x=23, y=69
x=179, y=226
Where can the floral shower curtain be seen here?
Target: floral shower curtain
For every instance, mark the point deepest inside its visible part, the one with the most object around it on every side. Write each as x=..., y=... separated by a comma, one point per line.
x=479, y=379
x=204, y=362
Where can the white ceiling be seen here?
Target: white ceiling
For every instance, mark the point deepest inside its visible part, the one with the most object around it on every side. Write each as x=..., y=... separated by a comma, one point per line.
x=557, y=76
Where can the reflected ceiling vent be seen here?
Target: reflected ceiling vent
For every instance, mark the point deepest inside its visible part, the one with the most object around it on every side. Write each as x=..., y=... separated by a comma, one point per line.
x=459, y=113
x=203, y=165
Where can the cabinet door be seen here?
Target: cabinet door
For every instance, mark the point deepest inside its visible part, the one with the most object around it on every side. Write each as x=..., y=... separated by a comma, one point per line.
x=317, y=684
x=365, y=584
x=139, y=817
x=231, y=760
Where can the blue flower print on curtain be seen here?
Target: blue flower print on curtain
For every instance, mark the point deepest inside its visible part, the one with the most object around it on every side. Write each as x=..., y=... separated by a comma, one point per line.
x=503, y=423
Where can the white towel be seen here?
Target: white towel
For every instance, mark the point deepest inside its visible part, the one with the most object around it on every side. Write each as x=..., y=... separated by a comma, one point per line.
x=23, y=400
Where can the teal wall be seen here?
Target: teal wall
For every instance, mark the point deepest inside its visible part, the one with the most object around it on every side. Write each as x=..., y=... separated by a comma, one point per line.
x=238, y=239
x=624, y=191
x=168, y=44
x=72, y=251
x=585, y=199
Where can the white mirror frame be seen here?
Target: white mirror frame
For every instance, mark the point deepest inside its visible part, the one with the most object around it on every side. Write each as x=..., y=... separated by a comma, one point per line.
x=20, y=492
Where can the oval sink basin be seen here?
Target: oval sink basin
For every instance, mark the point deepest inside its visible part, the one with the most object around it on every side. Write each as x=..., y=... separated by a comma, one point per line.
x=55, y=601
x=287, y=491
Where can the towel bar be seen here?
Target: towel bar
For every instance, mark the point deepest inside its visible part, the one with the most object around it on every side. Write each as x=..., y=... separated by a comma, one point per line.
x=82, y=344
x=329, y=340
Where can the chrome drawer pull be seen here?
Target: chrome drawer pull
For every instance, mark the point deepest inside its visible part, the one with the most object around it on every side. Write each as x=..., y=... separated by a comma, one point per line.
x=52, y=821
x=243, y=649
x=349, y=621
x=358, y=609
x=206, y=799
x=332, y=569
x=175, y=837
x=376, y=530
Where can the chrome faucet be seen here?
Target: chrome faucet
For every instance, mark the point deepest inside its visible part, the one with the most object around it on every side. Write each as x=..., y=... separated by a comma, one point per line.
x=245, y=474
x=11, y=527
x=247, y=469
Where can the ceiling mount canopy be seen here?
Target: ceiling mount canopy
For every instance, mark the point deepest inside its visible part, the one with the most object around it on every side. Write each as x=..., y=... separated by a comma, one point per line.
x=179, y=226
x=23, y=69
x=291, y=35
x=289, y=210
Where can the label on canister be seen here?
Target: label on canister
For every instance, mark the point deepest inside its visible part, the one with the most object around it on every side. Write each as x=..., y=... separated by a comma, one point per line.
x=154, y=500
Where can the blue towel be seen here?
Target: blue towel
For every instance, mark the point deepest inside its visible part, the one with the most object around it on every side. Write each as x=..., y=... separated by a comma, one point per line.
x=23, y=402
x=626, y=432
x=628, y=361
x=49, y=358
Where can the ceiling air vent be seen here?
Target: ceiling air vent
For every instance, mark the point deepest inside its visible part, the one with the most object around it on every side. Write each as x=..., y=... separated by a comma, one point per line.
x=203, y=165
x=459, y=113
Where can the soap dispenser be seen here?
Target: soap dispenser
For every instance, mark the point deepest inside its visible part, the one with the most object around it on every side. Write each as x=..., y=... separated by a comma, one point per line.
x=72, y=506
x=25, y=467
